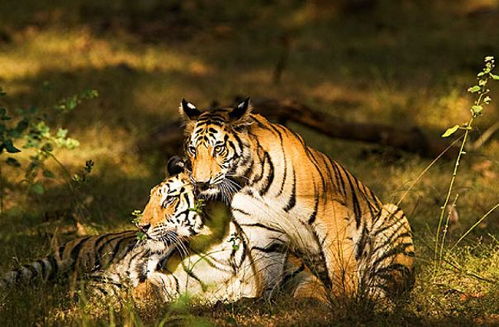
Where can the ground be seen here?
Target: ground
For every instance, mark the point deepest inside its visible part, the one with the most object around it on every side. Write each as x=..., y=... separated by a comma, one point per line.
x=405, y=64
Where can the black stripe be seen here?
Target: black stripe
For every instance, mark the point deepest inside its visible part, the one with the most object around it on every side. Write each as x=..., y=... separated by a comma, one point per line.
x=339, y=179
x=289, y=276
x=115, y=251
x=292, y=197
x=243, y=241
x=324, y=277
x=32, y=269
x=399, y=249
x=317, y=168
x=262, y=226
x=54, y=267
x=355, y=202
x=386, y=227
x=270, y=176
x=337, y=168
x=262, y=170
x=43, y=268
x=240, y=211
x=75, y=251
x=191, y=274
x=272, y=248
x=361, y=243
x=313, y=216
x=285, y=172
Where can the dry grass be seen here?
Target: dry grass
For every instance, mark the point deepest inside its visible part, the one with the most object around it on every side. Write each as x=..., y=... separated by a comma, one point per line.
x=406, y=64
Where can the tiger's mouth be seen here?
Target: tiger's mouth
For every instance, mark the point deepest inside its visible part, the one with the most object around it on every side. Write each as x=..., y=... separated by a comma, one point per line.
x=168, y=240
x=223, y=189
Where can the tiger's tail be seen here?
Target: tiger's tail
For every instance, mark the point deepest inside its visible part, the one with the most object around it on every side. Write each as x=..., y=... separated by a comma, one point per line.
x=40, y=270
x=82, y=255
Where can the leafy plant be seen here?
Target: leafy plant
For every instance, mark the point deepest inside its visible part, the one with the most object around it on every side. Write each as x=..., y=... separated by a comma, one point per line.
x=198, y=206
x=29, y=129
x=481, y=91
x=136, y=214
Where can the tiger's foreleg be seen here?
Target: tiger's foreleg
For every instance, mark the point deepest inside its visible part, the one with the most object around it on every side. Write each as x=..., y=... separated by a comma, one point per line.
x=334, y=235
x=268, y=248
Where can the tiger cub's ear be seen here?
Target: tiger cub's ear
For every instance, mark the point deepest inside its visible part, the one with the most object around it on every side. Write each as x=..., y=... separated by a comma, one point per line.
x=175, y=166
x=239, y=116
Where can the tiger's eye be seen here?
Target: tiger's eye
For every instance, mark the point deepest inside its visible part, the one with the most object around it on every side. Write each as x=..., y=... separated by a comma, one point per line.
x=192, y=150
x=219, y=148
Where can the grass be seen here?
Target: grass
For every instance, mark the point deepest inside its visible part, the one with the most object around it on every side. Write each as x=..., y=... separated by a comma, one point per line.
x=406, y=64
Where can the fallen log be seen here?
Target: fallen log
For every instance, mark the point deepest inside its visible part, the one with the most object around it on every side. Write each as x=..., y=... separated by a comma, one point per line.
x=412, y=139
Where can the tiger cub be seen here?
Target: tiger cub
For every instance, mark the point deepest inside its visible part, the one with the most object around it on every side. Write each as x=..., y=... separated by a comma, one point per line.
x=119, y=259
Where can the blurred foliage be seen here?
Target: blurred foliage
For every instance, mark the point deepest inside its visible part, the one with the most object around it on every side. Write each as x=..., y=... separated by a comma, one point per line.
x=30, y=126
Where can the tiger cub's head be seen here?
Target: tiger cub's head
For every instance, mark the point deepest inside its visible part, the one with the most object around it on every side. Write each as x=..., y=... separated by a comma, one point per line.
x=172, y=213
x=217, y=146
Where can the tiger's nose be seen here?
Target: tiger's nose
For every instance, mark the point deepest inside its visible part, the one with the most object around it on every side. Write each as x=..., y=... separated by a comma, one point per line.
x=202, y=186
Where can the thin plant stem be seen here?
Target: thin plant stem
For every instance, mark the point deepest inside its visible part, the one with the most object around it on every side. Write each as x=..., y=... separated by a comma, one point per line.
x=449, y=191
x=1, y=191
x=446, y=227
x=474, y=226
x=427, y=168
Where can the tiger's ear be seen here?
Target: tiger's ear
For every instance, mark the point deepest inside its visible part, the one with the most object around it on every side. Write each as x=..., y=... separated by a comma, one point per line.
x=175, y=165
x=239, y=116
x=188, y=111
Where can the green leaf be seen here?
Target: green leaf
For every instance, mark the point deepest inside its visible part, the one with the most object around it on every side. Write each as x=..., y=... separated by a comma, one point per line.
x=476, y=110
x=141, y=236
x=61, y=133
x=48, y=174
x=489, y=58
x=22, y=125
x=3, y=114
x=12, y=162
x=90, y=94
x=47, y=147
x=494, y=76
x=474, y=89
x=37, y=188
x=450, y=131
x=10, y=147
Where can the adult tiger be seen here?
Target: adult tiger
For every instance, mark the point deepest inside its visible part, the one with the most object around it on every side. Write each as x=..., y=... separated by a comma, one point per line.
x=299, y=197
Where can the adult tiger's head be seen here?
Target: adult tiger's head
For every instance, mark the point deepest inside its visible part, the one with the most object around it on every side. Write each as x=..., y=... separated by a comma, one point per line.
x=218, y=147
x=172, y=212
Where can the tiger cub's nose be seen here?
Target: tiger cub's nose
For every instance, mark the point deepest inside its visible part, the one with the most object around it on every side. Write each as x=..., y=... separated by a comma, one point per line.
x=144, y=227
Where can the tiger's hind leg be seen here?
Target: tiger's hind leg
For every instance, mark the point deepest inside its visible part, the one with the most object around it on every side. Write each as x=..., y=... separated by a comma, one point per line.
x=300, y=282
x=388, y=267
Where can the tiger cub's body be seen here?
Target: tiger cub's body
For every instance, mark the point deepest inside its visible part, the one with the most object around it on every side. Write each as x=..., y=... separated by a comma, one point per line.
x=298, y=197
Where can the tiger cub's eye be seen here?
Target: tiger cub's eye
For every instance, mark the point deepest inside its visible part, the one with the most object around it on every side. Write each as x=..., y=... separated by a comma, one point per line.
x=192, y=150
